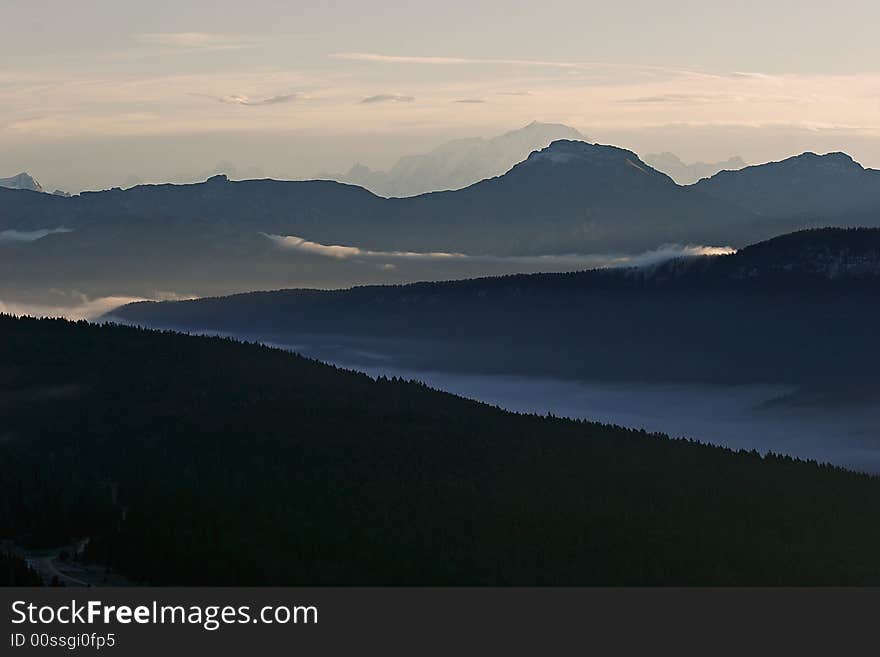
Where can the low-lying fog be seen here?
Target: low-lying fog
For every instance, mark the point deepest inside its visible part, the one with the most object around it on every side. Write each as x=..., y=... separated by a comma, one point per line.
x=292, y=262
x=747, y=417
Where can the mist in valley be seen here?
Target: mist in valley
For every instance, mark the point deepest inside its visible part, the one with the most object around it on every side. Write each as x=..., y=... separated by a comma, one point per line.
x=760, y=417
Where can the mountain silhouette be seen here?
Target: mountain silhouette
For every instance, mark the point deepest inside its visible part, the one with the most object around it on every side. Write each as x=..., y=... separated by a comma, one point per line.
x=457, y=163
x=570, y=197
x=687, y=174
x=807, y=184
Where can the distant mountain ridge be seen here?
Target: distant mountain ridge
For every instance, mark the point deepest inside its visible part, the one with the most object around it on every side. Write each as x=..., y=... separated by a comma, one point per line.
x=571, y=197
x=814, y=184
x=568, y=197
x=456, y=164
x=687, y=174
x=22, y=180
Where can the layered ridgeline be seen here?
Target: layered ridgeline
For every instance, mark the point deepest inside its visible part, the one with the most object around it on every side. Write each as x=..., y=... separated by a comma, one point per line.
x=457, y=163
x=571, y=197
x=801, y=309
x=816, y=186
x=188, y=460
x=687, y=174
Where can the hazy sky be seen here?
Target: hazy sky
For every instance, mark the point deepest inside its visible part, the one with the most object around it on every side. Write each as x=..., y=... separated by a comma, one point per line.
x=103, y=92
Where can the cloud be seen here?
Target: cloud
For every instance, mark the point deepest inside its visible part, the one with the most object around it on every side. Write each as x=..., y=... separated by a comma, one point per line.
x=514, y=93
x=573, y=66
x=677, y=99
x=79, y=306
x=475, y=101
x=750, y=75
x=447, y=61
x=671, y=251
x=388, y=98
x=701, y=99
x=241, y=99
x=88, y=309
x=30, y=235
x=606, y=260
x=340, y=252
x=198, y=40
x=571, y=260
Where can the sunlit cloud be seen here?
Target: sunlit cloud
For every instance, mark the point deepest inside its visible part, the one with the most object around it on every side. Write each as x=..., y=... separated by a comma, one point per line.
x=702, y=99
x=81, y=307
x=677, y=99
x=573, y=260
x=247, y=101
x=357, y=113
x=751, y=75
x=294, y=243
x=388, y=98
x=446, y=61
x=574, y=66
x=198, y=40
x=611, y=99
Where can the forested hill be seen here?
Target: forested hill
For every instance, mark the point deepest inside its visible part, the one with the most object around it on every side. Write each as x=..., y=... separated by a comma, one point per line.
x=189, y=460
x=800, y=309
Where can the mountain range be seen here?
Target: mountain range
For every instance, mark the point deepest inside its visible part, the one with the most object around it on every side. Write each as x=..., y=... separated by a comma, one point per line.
x=189, y=459
x=808, y=185
x=453, y=165
x=688, y=174
x=456, y=164
x=571, y=197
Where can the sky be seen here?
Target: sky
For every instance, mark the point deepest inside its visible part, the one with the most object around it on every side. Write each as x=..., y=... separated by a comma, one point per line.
x=104, y=93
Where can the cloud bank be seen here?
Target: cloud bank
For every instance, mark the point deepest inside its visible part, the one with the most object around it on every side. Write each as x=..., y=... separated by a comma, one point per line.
x=80, y=306
x=86, y=309
x=294, y=243
x=30, y=235
x=572, y=260
x=198, y=40
x=445, y=61
x=241, y=99
x=388, y=98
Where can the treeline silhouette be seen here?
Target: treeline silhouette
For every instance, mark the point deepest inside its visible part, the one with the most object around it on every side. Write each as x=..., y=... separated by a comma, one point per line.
x=800, y=309
x=191, y=460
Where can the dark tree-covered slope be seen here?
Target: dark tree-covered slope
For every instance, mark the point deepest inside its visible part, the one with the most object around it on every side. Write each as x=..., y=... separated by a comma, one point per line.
x=189, y=460
x=800, y=309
